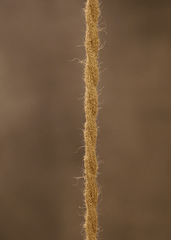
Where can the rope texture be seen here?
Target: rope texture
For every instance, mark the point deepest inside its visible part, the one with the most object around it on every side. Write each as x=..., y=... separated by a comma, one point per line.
x=91, y=74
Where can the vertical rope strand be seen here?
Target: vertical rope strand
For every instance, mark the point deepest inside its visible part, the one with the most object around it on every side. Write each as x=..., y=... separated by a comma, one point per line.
x=91, y=74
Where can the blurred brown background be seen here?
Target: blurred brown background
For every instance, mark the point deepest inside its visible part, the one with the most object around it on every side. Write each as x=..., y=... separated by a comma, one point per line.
x=42, y=118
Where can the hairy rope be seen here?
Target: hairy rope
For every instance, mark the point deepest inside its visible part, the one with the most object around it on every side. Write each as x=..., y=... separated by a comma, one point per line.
x=91, y=74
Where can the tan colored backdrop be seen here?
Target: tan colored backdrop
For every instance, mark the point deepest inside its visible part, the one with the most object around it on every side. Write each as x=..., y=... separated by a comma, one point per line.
x=42, y=117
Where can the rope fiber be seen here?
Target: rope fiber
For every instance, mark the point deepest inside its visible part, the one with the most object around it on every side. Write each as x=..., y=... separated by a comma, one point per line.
x=91, y=75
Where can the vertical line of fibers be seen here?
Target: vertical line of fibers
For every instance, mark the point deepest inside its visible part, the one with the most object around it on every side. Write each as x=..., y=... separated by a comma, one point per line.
x=91, y=74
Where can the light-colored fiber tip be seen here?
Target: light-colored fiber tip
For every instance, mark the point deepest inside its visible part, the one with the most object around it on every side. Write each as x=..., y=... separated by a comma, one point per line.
x=91, y=75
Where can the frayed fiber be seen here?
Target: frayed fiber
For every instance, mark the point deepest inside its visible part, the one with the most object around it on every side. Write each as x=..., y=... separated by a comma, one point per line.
x=91, y=75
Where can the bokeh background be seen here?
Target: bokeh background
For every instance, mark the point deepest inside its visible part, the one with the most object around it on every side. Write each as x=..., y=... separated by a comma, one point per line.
x=42, y=120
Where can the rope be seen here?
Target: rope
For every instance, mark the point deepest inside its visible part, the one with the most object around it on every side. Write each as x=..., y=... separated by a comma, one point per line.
x=91, y=73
